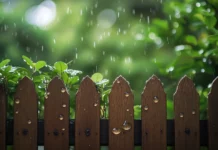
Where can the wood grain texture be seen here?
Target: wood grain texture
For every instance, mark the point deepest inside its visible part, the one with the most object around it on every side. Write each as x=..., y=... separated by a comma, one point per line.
x=212, y=116
x=25, y=116
x=153, y=110
x=87, y=124
x=2, y=118
x=56, y=116
x=121, y=116
x=186, y=108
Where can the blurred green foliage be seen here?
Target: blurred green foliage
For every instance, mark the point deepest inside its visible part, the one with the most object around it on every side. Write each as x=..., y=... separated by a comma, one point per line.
x=169, y=38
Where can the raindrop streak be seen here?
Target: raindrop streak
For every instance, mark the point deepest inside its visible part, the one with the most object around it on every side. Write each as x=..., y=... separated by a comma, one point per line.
x=29, y=121
x=116, y=131
x=126, y=126
x=181, y=115
x=17, y=101
x=63, y=90
x=61, y=117
x=156, y=100
x=146, y=108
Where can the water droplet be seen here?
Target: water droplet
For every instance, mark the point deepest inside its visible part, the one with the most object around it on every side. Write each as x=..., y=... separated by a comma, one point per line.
x=126, y=126
x=48, y=93
x=146, y=108
x=116, y=131
x=61, y=117
x=95, y=104
x=156, y=99
x=127, y=109
x=29, y=121
x=16, y=112
x=63, y=90
x=46, y=96
x=17, y=101
x=181, y=115
x=127, y=94
x=64, y=105
x=118, y=81
x=63, y=129
x=193, y=112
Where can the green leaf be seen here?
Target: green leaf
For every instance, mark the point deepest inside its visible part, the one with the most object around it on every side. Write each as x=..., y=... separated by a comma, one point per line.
x=97, y=77
x=28, y=61
x=4, y=62
x=60, y=66
x=191, y=39
x=137, y=111
x=73, y=80
x=40, y=64
x=210, y=21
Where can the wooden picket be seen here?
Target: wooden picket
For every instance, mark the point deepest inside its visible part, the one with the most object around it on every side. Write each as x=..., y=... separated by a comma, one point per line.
x=25, y=116
x=120, y=131
x=153, y=110
x=56, y=116
x=2, y=118
x=212, y=118
x=186, y=106
x=87, y=124
x=121, y=116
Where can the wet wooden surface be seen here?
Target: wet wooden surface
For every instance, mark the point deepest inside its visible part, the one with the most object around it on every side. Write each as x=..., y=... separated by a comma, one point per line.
x=2, y=118
x=153, y=110
x=25, y=116
x=56, y=116
x=212, y=116
x=186, y=108
x=87, y=124
x=121, y=116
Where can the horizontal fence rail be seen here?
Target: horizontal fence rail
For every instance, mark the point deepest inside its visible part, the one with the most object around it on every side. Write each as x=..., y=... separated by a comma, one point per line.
x=120, y=131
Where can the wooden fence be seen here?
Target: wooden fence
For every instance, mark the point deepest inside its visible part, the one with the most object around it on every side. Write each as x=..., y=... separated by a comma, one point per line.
x=120, y=131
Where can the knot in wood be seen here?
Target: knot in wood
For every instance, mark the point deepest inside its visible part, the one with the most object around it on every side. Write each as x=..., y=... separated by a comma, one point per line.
x=87, y=132
x=25, y=132
x=187, y=131
x=55, y=132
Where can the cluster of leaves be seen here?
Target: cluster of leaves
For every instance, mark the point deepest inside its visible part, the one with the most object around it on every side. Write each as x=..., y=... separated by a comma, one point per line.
x=41, y=74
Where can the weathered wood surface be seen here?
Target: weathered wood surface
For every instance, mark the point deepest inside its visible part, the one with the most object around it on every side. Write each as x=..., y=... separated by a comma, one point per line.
x=2, y=118
x=186, y=108
x=56, y=116
x=153, y=110
x=25, y=116
x=212, y=116
x=87, y=132
x=121, y=116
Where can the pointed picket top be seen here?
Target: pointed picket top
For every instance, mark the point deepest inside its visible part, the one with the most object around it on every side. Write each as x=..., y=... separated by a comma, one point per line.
x=184, y=84
x=120, y=80
x=153, y=81
x=212, y=115
x=87, y=123
x=214, y=86
x=121, y=116
x=56, y=115
x=86, y=80
x=153, y=98
x=25, y=115
x=186, y=110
